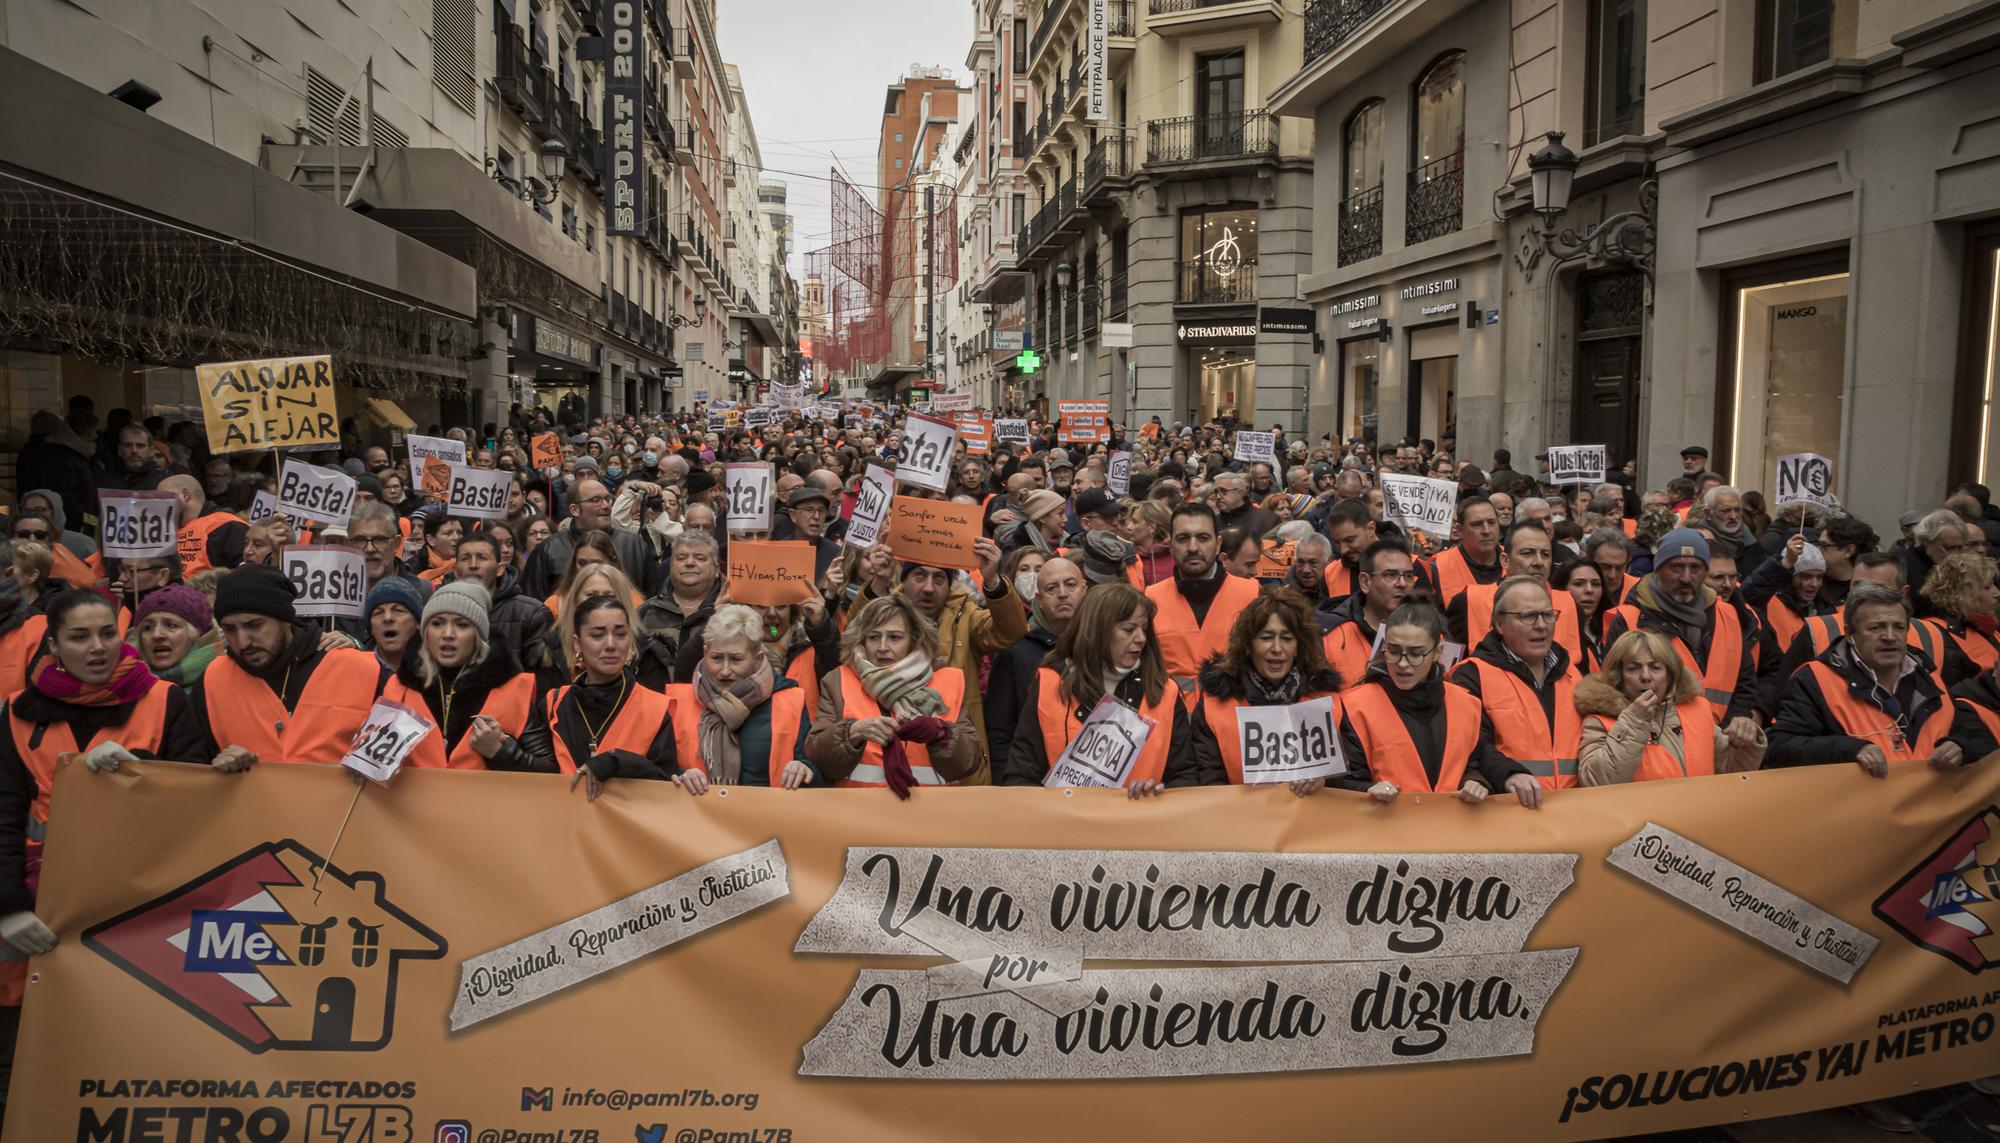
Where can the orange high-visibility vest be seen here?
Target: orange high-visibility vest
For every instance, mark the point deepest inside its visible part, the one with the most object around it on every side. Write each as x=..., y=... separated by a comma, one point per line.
x=17, y=653
x=1348, y=650
x=1060, y=724
x=1977, y=647
x=1392, y=754
x=1987, y=715
x=801, y=669
x=1866, y=722
x=193, y=541
x=509, y=704
x=948, y=682
x=786, y=708
x=1522, y=733
x=1185, y=644
x=1339, y=578
x=1452, y=573
x=1479, y=618
x=632, y=728
x=1725, y=655
x=1785, y=623
x=1221, y=715
x=244, y=711
x=1697, y=745
x=1630, y=527
x=1923, y=635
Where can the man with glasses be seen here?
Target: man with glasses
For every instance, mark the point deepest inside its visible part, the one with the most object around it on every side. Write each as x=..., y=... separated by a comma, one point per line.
x=1713, y=636
x=589, y=511
x=373, y=532
x=140, y=576
x=1386, y=576
x=1526, y=684
x=1530, y=552
x=209, y=536
x=809, y=508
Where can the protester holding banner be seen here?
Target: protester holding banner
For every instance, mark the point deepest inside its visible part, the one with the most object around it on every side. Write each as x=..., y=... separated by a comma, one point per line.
x=472, y=687
x=1274, y=658
x=276, y=695
x=1526, y=686
x=890, y=715
x=1644, y=719
x=604, y=724
x=1110, y=650
x=1404, y=728
x=739, y=722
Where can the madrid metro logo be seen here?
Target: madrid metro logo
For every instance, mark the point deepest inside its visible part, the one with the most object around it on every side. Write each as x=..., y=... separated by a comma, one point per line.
x=1950, y=904
x=247, y=950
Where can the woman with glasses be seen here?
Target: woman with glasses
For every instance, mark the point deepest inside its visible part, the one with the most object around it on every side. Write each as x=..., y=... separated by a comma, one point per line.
x=64, y=570
x=533, y=533
x=1644, y=718
x=1274, y=658
x=1404, y=729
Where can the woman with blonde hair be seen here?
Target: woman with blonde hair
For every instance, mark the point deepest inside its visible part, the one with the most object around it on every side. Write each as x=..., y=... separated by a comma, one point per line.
x=479, y=700
x=890, y=715
x=1962, y=592
x=1645, y=718
x=1146, y=529
x=1109, y=649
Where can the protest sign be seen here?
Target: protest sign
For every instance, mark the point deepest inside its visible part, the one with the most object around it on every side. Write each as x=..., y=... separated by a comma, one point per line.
x=758, y=416
x=1275, y=561
x=936, y=533
x=770, y=572
x=1254, y=447
x=717, y=422
x=1576, y=464
x=701, y=396
x=748, y=490
x=545, y=451
x=1010, y=430
x=871, y=506
x=1288, y=743
x=788, y=396
x=855, y=422
x=424, y=449
x=1325, y=986
x=1805, y=478
x=391, y=731
x=309, y=492
x=1118, y=474
x=977, y=433
x=480, y=493
x=277, y=402
x=1419, y=503
x=1104, y=749
x=1084, y=422
x=437, y=478
x=951, y=402
x=328, y=578
x=135, y=525
x=263, y=506
x=927, y=452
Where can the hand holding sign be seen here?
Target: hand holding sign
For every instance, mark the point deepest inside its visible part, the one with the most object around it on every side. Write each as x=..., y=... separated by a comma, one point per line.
x=277, y=402
x=328, y=579
x=871, y=506
x=770, y=573
x=1805, y=478
x=1576, y=464
x=1255, y=447
x=927, y=452
x=424, y=449
x=385, y=739
x=1118, y=477
x=935, y=533
x=1288, y=743
x=1105, y=748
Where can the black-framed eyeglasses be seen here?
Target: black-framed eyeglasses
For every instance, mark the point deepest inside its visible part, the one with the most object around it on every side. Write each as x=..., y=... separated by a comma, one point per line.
x=1531, y=618
x=1405, y=655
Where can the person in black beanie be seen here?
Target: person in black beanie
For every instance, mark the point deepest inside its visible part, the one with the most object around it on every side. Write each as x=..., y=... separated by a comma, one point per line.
x=278, y=694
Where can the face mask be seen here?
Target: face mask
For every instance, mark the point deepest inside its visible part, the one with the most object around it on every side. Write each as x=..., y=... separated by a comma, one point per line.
x=614, y=472
x=650, y=459
x=1025, y=584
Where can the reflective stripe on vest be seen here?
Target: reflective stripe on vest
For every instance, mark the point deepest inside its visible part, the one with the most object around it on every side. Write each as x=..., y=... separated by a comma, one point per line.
x=1391, y=752
x=1522, y=732
x=1221, y=716
x=1060, y=722
x=140, y=733
x=948, y=682
x=1725, y=655
x=1479, y=618
x=244, y=711
x=1870, y=724
x=632, y=729
x=1185, y=644
x=509, y=704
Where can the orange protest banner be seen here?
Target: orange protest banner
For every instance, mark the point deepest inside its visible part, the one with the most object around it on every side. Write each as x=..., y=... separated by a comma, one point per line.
x=936, y=533
x=545, y=451
x=770, y=572
x=977, y=433
x=437, y=478
x=1276, y=562
x=1636, y=958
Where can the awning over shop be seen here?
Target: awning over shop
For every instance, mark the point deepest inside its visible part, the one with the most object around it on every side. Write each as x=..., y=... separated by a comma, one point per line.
x=388, y=414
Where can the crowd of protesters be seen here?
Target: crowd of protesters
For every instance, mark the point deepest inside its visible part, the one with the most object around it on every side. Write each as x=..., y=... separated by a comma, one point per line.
x=1560, y=636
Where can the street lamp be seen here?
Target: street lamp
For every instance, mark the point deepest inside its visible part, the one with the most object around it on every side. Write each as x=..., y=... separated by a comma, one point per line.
x=1064, y=272
x=552, y=155
x=1628, y=236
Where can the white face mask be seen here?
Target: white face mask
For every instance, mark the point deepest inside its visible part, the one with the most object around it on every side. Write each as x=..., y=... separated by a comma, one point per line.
x=1024, y=586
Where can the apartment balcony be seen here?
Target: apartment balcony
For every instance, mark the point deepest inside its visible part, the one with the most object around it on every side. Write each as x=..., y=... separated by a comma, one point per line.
x=1051, y=20
x=517, y=78
x=1211, y=139
x=1199, y=17
x=1107, y=167
x=679, y=46
x=1361, y=226
x=1205, y=282
x=1435, y=205
x=1121, y=23
x=1347, y=39
x=586, y=14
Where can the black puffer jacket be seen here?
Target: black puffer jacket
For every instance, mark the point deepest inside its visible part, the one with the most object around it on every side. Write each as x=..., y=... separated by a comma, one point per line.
x=531, y=752
x=520, y=622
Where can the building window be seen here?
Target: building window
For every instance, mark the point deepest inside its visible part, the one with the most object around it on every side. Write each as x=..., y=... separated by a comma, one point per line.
x=1792, y=34
x=1218, y=102
x=1616, y=79
x=1979, y=382
x=1786, y=334
x=1020, y=47
x=1020, y=134
x=1360, y=359
x=1361, y=195
x=1437, y=167
x=1218, y=261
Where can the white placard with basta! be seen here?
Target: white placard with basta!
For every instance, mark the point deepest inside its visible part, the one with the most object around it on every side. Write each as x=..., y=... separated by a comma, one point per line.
x=1288, y=743
x=136, y=525
x=927, y=451
x=263, y=506
x=480, y=493
x=748, y=487
x=309, y=492
x=329, y=579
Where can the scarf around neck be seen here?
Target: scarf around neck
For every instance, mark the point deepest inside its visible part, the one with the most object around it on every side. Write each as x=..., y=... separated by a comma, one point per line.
x=129, y=682
x=903, y=688
x=721, y=743
x=1285, y=691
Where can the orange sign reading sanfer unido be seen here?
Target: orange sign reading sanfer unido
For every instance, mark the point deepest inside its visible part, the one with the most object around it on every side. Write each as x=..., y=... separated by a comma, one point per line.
x=545, y=451
x=1638, y=958
x=936, y=533
x=770, y=572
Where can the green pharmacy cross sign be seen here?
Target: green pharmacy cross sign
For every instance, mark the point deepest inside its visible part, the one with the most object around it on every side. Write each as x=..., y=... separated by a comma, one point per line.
x=1029, y=361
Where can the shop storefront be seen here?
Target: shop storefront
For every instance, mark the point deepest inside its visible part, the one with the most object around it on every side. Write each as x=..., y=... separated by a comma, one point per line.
x=558, y=364
x=1404, y=354
x=1219, y=356
x=1786, y=330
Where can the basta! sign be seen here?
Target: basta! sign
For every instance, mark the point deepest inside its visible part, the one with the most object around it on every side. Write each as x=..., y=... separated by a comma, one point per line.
x=277, y=402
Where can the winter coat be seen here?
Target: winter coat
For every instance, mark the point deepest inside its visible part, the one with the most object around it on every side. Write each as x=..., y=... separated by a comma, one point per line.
x=522, y=623
x=532, y=752
x=1010, y=681
x=1806, y=732
x=967, y=633
x=1607, y=757
x=54, y=460
x=664, y=630
x=1028, y=762
x=828, y=746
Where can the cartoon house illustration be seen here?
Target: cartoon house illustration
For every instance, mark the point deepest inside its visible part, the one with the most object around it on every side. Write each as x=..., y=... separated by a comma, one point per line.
x=248, y=950
x=1951, y=903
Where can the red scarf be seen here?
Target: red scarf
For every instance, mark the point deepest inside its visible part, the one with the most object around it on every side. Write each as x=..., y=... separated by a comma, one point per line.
x=129, y=682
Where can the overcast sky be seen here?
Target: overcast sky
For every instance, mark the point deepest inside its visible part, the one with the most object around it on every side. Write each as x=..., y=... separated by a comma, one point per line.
x=815, y=73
